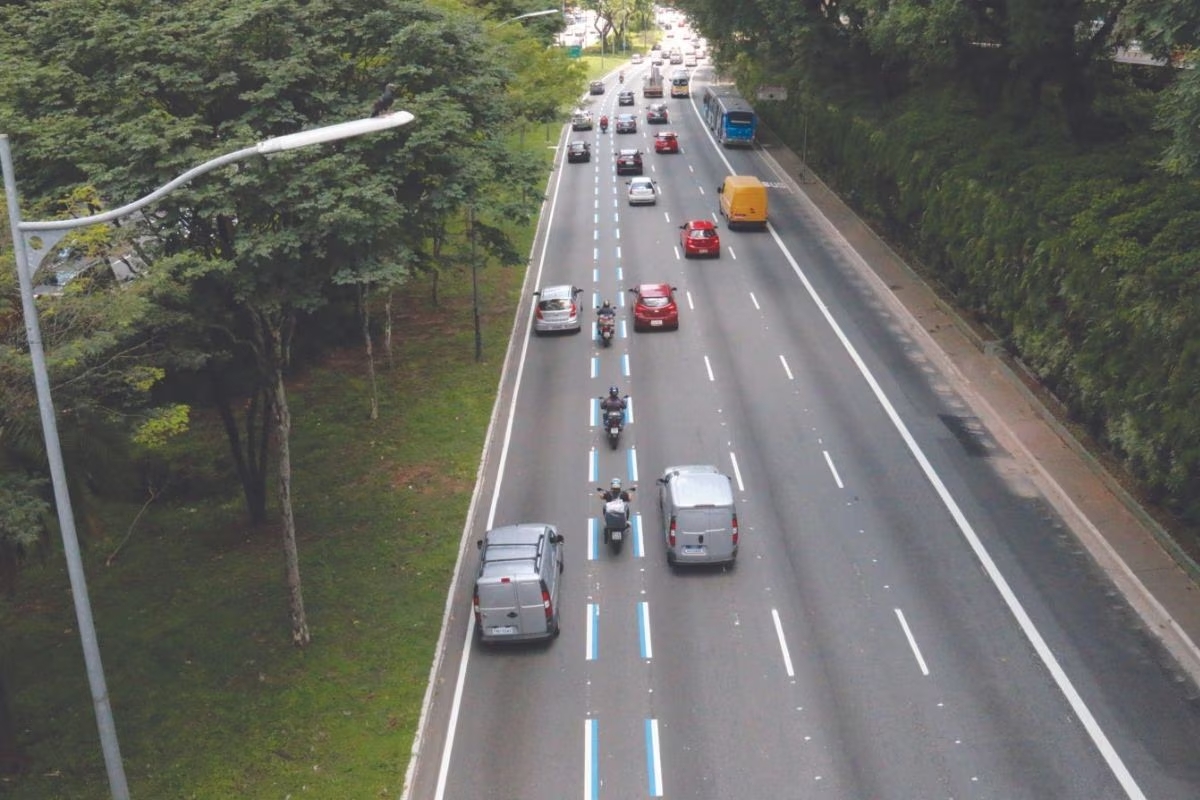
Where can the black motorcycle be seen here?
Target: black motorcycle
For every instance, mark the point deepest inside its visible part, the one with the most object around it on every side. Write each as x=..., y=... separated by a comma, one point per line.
x=614, y=423
x=616, y=518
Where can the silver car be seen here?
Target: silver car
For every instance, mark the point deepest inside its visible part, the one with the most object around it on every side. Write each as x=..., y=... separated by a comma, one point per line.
x=699, y=517
x=642, y=191
x=557, y=309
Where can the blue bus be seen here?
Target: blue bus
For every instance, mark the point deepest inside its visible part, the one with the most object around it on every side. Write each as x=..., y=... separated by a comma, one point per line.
x=730, y=117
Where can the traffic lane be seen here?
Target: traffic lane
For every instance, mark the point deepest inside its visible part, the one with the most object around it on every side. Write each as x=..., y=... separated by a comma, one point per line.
x=1095, y=638
x=729, y=718
x=829, y=563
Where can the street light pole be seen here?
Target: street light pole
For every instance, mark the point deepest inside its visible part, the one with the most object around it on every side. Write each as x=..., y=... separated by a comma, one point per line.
x=40, y=238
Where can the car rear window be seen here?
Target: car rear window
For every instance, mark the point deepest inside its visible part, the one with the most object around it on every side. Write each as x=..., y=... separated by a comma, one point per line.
x=703, y=233
x=655, y=302
x=557, y=304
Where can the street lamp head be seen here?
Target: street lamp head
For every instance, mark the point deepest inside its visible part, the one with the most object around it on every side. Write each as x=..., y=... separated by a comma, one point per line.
x=541, y=13
x=331, y=133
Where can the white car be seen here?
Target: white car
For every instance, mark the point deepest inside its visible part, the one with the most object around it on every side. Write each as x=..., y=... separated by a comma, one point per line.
x=636, y=58
x=642, y=191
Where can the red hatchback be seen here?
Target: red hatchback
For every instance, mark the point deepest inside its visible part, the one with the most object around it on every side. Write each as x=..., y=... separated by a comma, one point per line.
x=698, y=237
x=655, y=307
x=666, y=142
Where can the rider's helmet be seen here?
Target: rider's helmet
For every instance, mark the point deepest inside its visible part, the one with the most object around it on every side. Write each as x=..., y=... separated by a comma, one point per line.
x=606, y=305
x=613, y=391
x=616, y=483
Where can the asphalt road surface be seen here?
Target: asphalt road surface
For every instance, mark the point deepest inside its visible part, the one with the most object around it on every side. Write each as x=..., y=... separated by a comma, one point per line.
x=907, y=618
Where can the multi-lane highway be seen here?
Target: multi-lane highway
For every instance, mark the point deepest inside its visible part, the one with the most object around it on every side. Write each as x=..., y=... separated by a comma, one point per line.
x=907, y=617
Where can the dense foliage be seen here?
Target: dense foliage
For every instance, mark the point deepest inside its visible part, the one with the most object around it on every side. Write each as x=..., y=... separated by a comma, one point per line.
x=1050, y=188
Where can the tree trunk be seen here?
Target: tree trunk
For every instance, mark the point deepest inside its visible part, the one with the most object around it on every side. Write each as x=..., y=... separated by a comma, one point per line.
x=272, y=329
x=249, y=457
x=387, y=330
x=365, y=315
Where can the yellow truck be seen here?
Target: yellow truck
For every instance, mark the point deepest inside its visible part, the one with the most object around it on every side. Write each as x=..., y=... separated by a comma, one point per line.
x=743, y=201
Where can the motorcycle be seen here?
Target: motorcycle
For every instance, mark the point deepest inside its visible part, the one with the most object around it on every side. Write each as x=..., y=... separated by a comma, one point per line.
x=606, y=326
x=621, y=78
x=604, y=124
x=614, y=422
x=616, y=519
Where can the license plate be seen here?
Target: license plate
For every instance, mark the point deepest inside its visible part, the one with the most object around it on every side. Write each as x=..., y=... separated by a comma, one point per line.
x=616, y=535
x=654, y=322
x=614, y=431
x=693, y=549
x=503, y=630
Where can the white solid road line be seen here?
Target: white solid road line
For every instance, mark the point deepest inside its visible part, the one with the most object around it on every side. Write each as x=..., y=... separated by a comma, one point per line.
x=787, y=657
x=912, y=642
x=754, y=300
x=708, y=367
x=786, y=368
x=1109, y=753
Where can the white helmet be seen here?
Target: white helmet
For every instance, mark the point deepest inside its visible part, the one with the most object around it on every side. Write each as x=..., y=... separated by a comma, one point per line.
x=616, y=483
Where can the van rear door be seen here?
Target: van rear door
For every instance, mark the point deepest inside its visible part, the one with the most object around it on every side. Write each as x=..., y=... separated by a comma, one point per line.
x=533, y=597
x=499, y=609
x=704, y=534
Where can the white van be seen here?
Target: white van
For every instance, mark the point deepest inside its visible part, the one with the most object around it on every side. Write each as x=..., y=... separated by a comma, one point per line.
x=699, y=518
x=517, y=586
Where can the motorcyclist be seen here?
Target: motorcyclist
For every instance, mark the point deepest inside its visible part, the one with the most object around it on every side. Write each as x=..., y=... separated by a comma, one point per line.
x=606, y=312
x=603, y=123
x=614, y=401
x=621, y=76
x=615, y=492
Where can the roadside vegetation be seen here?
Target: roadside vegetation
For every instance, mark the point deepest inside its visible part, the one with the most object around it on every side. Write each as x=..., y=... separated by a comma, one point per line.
x=1051, y=191
x=294, y=364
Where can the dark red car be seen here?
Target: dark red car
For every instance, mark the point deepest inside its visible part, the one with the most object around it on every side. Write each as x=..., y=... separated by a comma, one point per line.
x=698, y=237
x=655, y=307
x=666, y=142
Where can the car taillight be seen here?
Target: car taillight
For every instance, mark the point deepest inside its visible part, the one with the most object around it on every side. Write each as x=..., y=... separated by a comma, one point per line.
x=671, y=534
x=475, y=606
x=735, y=530
x=574, y=309
x=546, y=603
x=538, y=312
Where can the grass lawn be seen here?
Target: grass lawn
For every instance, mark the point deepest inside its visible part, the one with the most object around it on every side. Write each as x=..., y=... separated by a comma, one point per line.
x=210, y=699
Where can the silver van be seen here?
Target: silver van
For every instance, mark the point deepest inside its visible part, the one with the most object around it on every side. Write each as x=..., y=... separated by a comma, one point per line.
x=517, y=587
x=699, y=518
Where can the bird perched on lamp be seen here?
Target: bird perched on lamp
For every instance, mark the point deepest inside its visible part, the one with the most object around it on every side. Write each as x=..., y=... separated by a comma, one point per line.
x=385, y=100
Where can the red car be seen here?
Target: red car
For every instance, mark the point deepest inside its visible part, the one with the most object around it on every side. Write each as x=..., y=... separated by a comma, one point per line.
x=655, y=307
x=666, y=142
x=698, y=237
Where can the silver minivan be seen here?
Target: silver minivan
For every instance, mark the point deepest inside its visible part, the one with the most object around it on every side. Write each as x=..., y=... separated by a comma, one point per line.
x=517, y=586
x=699, y=517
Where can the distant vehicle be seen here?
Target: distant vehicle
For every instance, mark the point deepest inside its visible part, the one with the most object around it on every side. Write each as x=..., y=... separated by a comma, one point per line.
x=596, y=87
x=629, y=162
x=698, y=237
x=636, y=58
x=657, y=114
x=681, y=83
x=625, y=97
x=653, y=85
x=578, y=151
x=626, y=123
x=666, y=142
x=676, y=57
x=556, y=309
x=689, y=61
x=581, y=120
x=731, y=119
x=642, y=191
x=744, y=201
x=655, y=307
